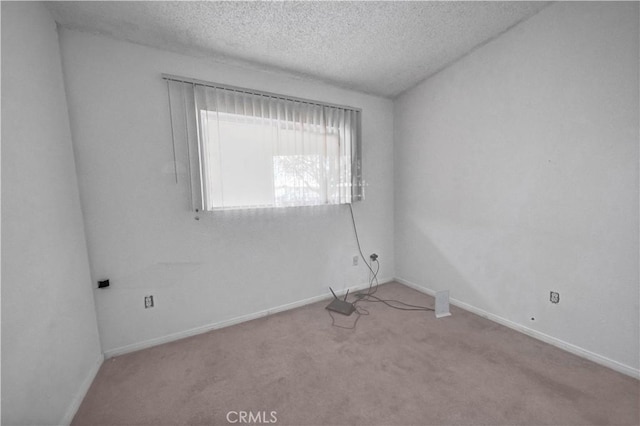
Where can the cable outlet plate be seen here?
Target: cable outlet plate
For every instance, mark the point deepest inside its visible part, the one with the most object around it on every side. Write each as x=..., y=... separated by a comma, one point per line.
x=554, y=297
x=355, y=260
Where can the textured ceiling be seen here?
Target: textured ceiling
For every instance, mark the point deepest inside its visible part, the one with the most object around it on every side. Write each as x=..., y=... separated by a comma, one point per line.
x=382, y=48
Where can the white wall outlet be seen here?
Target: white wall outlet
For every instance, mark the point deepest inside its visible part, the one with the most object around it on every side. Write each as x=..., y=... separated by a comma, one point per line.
x=355, y=260
x=554, y=297
x=148, y=302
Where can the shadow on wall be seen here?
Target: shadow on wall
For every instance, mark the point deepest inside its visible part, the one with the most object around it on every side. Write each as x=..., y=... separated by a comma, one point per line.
x=422, y=262
x=483, y=264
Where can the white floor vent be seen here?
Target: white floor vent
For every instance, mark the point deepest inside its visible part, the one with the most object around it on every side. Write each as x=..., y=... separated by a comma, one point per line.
x=442, y=304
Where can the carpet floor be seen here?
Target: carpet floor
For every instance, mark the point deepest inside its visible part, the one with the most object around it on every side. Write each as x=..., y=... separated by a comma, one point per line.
x=394, y=368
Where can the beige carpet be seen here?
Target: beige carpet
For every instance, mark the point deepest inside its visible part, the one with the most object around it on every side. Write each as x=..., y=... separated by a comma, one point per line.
x=395, y=368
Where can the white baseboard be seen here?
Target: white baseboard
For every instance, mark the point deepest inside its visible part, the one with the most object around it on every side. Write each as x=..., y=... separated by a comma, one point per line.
x=233, y=321
x=82, y=392
x=576, y=350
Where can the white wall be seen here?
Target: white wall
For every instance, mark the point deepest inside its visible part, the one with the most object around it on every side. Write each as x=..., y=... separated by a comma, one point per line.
x=141, y=234
x=50, y=345
x=517, y=174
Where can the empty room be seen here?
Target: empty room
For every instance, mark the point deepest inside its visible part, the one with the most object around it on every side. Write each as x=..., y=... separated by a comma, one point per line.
x=320, y=213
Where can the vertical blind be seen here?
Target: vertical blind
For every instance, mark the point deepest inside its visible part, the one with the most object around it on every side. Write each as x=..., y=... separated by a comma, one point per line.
x=252, y=149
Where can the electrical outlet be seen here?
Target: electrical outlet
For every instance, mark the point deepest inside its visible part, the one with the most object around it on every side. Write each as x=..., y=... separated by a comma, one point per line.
x=148, y=302
x=554, y=297
x=355, y=260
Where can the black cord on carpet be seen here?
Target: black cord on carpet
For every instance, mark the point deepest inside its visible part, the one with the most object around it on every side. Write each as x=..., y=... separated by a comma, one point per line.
x=369, y=295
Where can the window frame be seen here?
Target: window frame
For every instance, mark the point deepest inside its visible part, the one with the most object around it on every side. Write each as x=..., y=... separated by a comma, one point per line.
x=192, y=128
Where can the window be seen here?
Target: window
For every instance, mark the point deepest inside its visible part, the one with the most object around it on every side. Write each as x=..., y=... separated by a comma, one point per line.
x=250, y=149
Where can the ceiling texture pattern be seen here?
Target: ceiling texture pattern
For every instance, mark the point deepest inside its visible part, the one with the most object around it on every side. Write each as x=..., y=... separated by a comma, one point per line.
x=380, y=48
